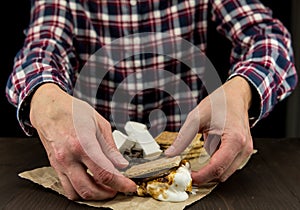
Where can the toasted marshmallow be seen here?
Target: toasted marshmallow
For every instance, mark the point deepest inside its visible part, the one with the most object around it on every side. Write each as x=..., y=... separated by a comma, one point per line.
x=173, y=188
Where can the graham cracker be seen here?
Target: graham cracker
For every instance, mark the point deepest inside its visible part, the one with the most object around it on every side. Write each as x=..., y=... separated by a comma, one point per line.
x=152, y=167
x=166, y=138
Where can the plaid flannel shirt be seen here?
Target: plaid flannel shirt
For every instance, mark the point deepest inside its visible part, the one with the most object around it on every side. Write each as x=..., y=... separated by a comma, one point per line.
x=62, y=36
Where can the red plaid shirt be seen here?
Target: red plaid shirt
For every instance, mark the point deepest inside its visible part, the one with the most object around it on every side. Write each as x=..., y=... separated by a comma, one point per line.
x=62, y=36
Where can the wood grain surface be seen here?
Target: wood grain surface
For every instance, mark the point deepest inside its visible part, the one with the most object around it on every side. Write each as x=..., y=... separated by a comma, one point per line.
x=270, y=180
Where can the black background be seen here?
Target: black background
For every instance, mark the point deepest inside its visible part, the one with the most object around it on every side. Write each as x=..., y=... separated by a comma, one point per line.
x=15, y=17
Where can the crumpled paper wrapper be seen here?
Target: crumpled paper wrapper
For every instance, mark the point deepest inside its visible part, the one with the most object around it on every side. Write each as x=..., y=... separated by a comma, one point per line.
x=47, y=177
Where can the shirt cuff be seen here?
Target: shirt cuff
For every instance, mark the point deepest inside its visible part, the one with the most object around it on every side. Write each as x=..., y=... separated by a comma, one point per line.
x=261, y=100
x=23, y=109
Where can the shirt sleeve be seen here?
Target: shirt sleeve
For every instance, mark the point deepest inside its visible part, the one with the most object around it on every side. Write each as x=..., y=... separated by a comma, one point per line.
x=261, y=50
x=46, y=56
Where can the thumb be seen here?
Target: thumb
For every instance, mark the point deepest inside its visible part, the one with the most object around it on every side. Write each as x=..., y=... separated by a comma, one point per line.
x=109, y=148
x=186, y=134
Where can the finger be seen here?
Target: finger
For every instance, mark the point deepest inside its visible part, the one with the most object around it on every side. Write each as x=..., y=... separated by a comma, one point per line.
x=115, y=180
x=102, y=168
x=185, y=135
x=109, y=148
x=77, y=183
x=92, y=150
x=205, y=134
x=218, y=164
x=85, y=187
x=69, y=191
x=238, y=162
x=232, y=168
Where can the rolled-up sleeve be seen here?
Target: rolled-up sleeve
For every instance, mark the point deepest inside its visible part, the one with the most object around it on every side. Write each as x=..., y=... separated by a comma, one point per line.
x=261, y=50
x=47, y=56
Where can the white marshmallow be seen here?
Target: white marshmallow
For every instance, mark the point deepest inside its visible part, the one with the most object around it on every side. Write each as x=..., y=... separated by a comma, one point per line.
x=139, y=133
x=122, y=142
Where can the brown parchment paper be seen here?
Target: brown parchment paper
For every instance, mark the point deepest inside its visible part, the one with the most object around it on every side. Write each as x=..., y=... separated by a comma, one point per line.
x=47, y=177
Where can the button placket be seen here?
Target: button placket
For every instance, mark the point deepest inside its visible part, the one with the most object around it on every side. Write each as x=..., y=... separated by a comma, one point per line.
x=134, y=15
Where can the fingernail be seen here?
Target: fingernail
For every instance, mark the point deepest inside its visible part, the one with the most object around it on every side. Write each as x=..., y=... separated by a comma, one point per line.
x=170, y=151
x=121, y=161
x=133, y=188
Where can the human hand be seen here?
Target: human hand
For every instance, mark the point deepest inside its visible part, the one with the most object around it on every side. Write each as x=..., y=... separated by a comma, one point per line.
x=77, y=138
x=230, y=124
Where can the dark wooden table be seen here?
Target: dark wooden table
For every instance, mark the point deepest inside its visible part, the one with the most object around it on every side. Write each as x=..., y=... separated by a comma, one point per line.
x=270, y=180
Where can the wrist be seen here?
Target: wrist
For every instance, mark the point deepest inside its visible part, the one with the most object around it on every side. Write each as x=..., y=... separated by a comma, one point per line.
x=43, y=98
x=242, y=89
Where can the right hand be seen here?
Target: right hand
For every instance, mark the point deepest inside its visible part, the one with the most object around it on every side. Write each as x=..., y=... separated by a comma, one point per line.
x=74, y=148
x=230, y=127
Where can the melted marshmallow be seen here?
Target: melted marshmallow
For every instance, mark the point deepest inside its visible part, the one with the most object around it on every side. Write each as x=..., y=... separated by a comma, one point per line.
x=180, y=182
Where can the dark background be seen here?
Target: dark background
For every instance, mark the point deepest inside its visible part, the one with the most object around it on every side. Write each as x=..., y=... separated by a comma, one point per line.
x=16, y=18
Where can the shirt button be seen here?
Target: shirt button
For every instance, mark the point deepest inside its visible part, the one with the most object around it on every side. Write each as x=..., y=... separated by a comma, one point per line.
x=139, y=75
x=133, y=2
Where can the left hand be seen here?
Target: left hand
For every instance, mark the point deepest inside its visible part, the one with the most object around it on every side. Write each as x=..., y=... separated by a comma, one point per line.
x=229, y=123
x=77, y=138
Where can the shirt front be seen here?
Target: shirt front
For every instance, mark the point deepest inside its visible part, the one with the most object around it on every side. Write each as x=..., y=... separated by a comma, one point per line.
x=136, y=42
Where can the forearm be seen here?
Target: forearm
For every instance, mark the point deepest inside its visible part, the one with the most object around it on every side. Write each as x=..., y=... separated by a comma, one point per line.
x=24, y=81
x=261, y=52
x=46, y=57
